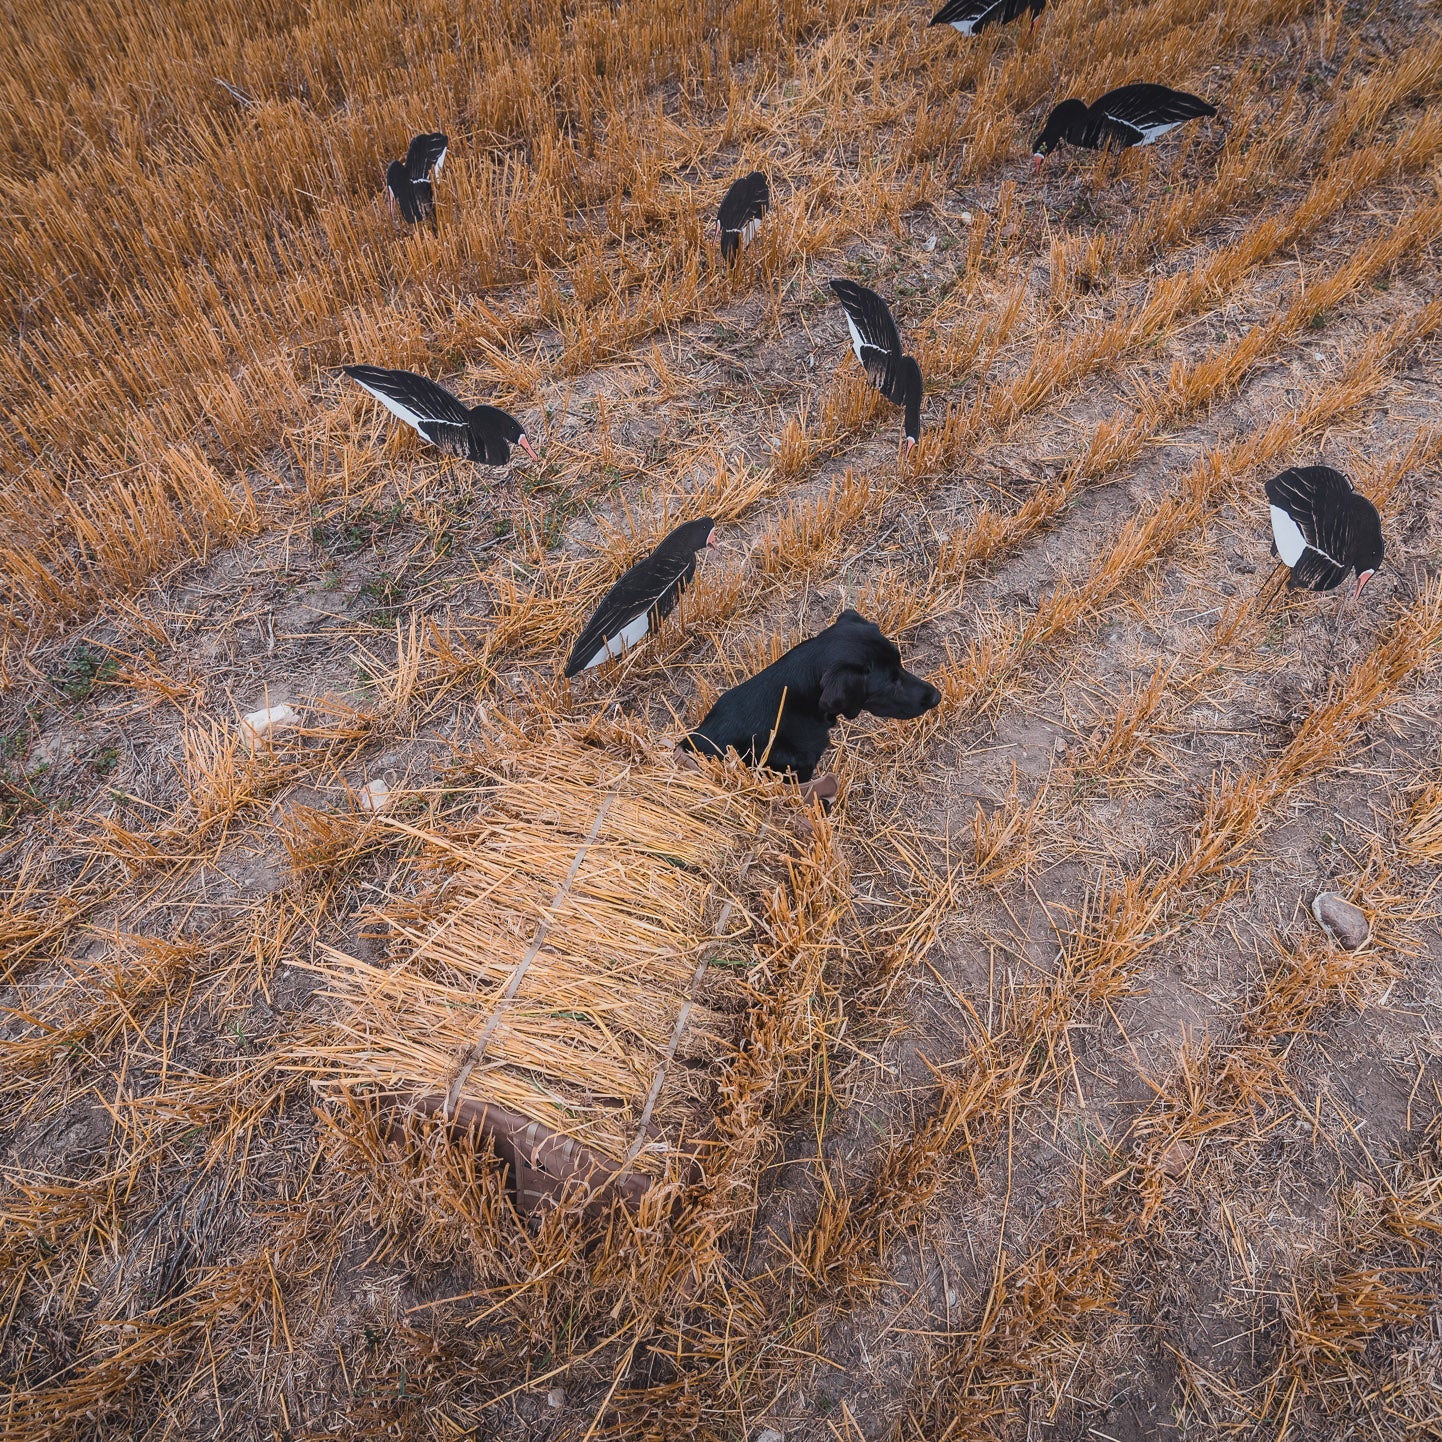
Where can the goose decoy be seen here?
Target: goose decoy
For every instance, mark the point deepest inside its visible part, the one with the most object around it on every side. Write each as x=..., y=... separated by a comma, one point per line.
x=877, y=344
x=409, y=180
x=740, y=215
x=971, y=17
x=483, y=434
x=1322, y=528
x=642, y=598
x=1131, y=115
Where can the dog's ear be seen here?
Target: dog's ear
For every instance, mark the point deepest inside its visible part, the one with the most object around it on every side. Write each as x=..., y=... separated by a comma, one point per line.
x=843, y=691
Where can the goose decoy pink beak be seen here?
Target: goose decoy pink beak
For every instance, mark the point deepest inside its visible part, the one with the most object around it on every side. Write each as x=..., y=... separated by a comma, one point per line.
x=525, y=445
x=1362, y=582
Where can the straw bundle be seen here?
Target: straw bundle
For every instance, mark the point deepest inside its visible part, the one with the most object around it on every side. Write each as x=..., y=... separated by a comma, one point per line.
x=583, y=965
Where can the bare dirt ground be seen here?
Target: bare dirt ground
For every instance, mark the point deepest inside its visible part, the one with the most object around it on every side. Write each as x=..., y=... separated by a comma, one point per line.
x=1097, y=1135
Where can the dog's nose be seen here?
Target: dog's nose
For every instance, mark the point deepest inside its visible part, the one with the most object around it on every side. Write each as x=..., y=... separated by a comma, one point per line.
x=933, y=697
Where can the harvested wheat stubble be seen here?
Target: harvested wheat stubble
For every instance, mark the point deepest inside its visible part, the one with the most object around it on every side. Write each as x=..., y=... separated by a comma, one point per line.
x=584, y=968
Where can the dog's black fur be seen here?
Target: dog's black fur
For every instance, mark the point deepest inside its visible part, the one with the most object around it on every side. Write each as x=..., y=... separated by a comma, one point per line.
x=848, y=668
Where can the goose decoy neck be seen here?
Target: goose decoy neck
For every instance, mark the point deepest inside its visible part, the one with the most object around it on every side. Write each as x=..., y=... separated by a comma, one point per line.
x=488, y=422
x=397, y=181
x=1069, y=116
x=911, y=397
x=694, y=534
x=1370, y=548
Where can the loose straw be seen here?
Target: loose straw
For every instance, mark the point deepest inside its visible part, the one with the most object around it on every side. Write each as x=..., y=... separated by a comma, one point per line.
x=634, y=1150
x=513, y=985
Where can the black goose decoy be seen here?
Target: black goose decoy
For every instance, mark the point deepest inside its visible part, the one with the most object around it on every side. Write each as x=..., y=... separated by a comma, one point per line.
x=741, y=211
x=877, y=344
x=1322, y=528
x=1130, y=115
x=642, y=598
x=409, y=180
x=971, y=17
x=483, y=434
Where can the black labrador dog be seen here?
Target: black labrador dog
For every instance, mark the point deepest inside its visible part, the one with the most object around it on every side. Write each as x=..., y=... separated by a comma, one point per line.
x=848, y=668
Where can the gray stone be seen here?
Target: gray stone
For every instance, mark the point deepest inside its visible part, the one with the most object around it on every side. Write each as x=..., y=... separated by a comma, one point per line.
x=1344, y=923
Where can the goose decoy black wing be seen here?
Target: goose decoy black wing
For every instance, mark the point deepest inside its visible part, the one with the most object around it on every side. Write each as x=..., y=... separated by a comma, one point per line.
x=430, y=410
x=425, y=157
x=971, y=17
x=1130, y=115
x=874, y=336
x=741, y=213
x=1139, y=114
x=427, y=153
x=1322, y=528
x=877, y=344
x=409, y=180
x=642, y=598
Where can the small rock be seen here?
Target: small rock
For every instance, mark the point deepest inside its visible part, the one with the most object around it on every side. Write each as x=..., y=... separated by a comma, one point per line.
x=966, y=217
x=1344, y=923
x=556, y=1397
x=1060, y=745
x=256, y=724
x=768, y=1434
x=1178, y=1157
x=930, y=243
x=373, y=796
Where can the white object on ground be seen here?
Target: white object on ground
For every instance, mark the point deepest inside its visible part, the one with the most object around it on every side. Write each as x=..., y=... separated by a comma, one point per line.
x=257, y=724
x=556, y=1397
x=373, y=796
x=966, y=217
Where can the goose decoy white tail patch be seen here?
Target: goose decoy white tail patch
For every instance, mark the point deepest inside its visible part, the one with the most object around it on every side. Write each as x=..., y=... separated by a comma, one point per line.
x=1130, y=115
x=642, y=598
x=742, y=210
x=877, y=344
x=484, y=434
x=1322, y=528
x=408, y=181
x=971, y=17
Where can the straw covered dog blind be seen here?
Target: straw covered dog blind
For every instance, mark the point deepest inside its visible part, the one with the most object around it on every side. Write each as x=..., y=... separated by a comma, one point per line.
x=580, y=968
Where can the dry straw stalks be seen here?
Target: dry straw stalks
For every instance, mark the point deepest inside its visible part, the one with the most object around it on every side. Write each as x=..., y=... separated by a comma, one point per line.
x=172, y=358
x=242, y=415
x=1036, y=1319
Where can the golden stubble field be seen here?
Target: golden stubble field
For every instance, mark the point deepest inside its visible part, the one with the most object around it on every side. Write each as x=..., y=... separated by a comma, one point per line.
x=1053, y=1114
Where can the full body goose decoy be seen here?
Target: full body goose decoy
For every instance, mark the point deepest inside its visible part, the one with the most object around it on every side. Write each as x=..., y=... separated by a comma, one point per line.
x=971, y=17
x=1322, y=528
x=409, y=180
x=739, y=218
x=877, y=344
x=1131, y=115
x=642, y=598
x=484, y=434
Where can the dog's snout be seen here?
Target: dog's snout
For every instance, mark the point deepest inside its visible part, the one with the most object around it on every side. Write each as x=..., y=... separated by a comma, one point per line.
x=924, y=695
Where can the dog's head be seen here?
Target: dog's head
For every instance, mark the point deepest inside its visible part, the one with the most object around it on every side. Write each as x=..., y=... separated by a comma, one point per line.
x=862, y=671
